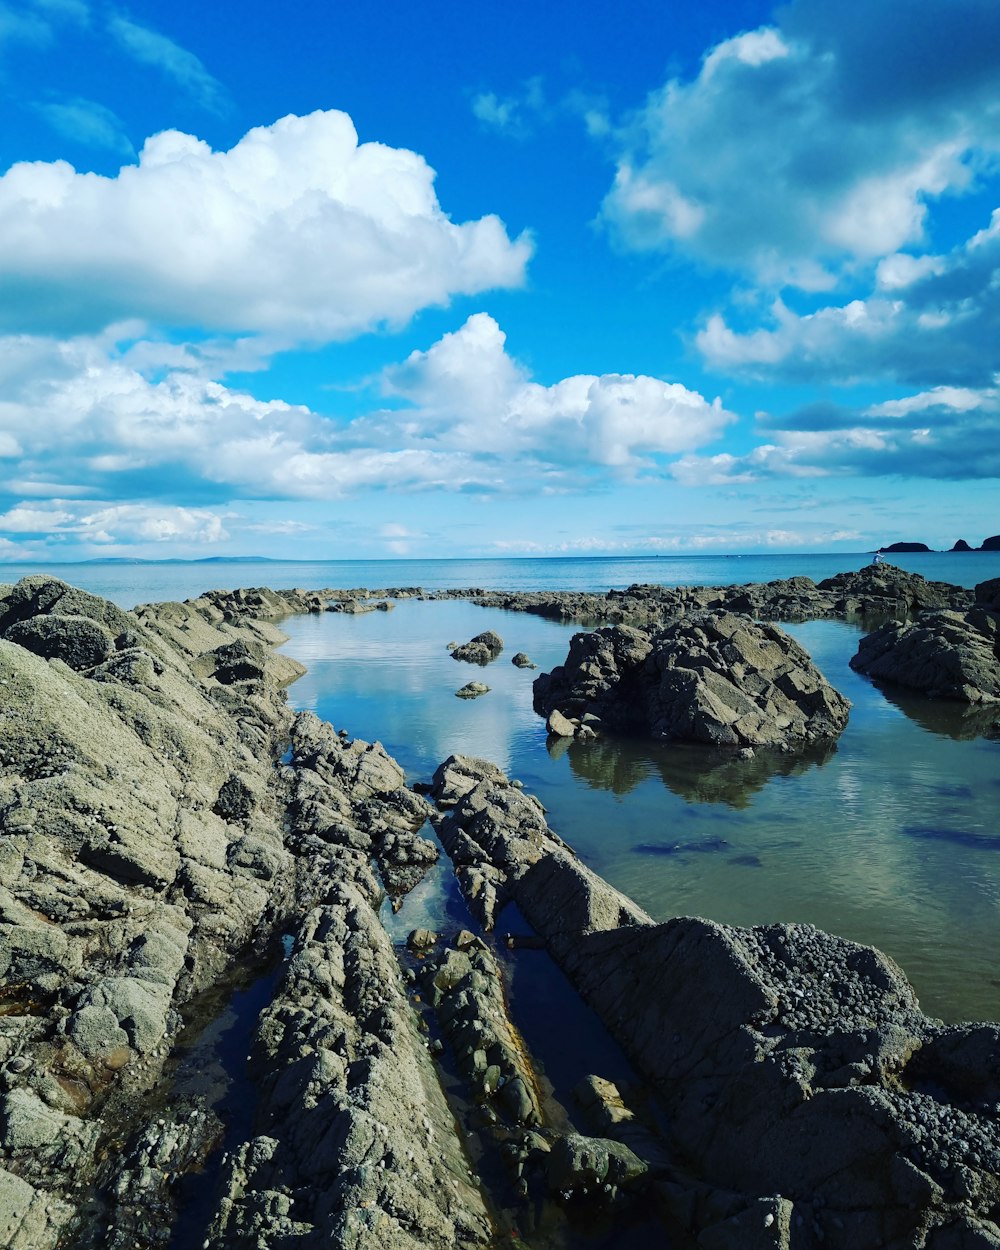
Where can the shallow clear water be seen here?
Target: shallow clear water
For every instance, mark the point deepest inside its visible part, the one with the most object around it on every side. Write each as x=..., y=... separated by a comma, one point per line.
x=890, y=837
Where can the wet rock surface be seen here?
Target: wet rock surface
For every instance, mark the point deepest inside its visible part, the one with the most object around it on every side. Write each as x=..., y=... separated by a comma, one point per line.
x=944, y=654
x=707, y=677
x=355, y=1143
x=806, y=1087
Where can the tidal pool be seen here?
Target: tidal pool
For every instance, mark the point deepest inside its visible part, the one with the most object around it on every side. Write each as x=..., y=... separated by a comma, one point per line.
x=887, y=837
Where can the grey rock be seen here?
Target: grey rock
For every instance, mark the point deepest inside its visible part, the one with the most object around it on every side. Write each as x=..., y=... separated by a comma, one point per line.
x=946, y=655
x=559, y=725
x=788, y=1061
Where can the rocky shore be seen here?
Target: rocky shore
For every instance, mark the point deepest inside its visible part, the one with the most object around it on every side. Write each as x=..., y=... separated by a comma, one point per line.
x=167, y=822
x=880, y=591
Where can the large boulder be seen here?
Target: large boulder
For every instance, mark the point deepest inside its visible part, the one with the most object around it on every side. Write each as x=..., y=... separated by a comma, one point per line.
x=707, y=677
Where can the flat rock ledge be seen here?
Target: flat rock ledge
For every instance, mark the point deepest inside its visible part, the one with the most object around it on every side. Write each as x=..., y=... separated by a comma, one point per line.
x=810, y=1102
x=715, y=678
x=947, y=655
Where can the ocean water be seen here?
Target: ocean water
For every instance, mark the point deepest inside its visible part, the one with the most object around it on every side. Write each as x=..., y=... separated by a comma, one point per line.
x=129, y=583
x=887, y=837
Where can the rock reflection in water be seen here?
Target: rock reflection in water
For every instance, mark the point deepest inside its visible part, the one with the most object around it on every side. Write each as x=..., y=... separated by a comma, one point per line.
x=696, y=773
x=944, y=717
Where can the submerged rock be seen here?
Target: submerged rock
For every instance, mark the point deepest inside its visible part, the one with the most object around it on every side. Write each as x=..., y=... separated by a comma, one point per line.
x=520, y=660
x=707, y=677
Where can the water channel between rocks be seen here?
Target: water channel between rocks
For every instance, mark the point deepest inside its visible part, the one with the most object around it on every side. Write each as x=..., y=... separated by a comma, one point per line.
x=887, y=838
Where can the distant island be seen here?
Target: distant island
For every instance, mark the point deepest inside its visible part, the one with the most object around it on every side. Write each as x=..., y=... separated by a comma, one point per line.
x=989, y=544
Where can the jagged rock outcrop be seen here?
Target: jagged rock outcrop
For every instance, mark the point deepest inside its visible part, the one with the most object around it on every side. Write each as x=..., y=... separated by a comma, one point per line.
x=809, y=1100
x=483, y=649
x=716, y=678
x=947, y=655
x=141, y=848
x=886, y=590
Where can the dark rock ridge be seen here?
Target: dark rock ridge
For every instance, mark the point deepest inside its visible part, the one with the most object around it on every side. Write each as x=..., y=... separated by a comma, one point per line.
x=483, y=649
x=881, y=590
x=947, y=655
x=809, y=1100
x=716, y=678
x=904, y=547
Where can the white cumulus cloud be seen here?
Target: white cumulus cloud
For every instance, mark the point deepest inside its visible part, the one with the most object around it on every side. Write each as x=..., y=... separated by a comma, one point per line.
x=299, y=231
x=467, y=392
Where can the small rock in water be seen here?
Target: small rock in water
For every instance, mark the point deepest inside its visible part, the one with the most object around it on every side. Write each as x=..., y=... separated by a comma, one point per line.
x=472, y=690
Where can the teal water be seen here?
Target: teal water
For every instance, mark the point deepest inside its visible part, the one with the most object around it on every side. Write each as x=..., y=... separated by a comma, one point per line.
x=131, y=583
x=889, y=837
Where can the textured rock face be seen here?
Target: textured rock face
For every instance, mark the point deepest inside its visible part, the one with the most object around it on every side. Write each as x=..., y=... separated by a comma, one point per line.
x=947, y=655
x=141, y=848
x=811, y=1101
x=149, y=839
x=716, y=678
x=355, y=1144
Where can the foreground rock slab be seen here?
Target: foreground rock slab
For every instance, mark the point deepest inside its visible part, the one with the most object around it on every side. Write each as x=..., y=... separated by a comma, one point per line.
x=707, y=677
x=801, y=1080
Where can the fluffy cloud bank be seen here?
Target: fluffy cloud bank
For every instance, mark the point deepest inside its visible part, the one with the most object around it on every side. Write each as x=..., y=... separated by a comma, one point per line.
x=946, y=433
x=299, y=231
x=93, y=431
x=804, y=148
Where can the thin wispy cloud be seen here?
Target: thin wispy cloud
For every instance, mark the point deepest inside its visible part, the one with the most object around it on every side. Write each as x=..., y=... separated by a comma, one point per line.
x=88, y=123
x=150, y=47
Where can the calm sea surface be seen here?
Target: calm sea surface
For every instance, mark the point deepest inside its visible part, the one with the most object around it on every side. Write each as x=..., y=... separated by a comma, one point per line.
x=131, y=583
x=890, y=837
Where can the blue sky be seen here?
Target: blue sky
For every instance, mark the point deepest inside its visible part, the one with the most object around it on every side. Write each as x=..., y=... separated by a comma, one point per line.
x=355, y=281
